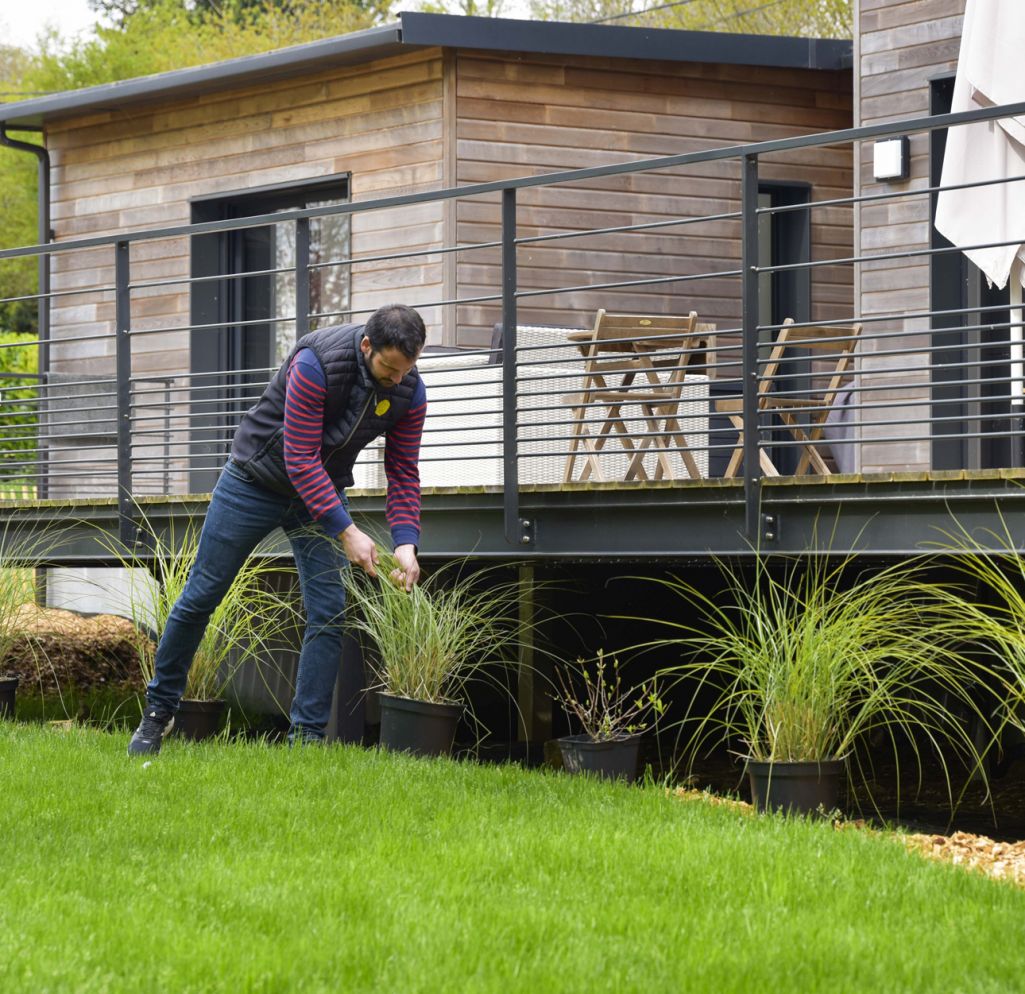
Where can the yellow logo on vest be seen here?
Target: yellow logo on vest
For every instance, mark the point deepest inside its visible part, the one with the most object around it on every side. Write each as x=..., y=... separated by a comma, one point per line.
x=382, y=407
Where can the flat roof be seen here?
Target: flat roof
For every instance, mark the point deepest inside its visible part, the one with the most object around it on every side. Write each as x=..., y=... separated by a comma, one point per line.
x=418, y=31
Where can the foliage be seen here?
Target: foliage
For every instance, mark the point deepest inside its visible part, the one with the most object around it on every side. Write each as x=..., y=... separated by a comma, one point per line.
x=810, y=661
x=120, y=12
x=165, y=35
x=805, y=18
x=994, y=618
x=469, y=8
x=432, y=640
x=251, y=620
x=19, y=408
x=605, y=709
x=18, y=186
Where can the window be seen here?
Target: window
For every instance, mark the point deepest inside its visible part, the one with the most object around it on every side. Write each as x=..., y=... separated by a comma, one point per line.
x=244, y=325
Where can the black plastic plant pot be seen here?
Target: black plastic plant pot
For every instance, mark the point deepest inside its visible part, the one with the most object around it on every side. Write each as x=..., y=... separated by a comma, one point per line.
x=198, y=720
x=614, y=759
x=8, y=688
x=795, y=788
x=420, y=727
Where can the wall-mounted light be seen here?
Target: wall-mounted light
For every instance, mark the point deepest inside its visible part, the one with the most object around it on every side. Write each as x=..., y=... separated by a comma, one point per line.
x=891, y=158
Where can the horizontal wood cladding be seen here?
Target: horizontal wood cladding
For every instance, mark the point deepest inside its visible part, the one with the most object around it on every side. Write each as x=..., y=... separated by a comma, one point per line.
x=898, y=48
x=530, y=116
x=380, y=123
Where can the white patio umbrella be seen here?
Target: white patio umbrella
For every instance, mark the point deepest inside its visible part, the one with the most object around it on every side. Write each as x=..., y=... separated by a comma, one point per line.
x=990, y=73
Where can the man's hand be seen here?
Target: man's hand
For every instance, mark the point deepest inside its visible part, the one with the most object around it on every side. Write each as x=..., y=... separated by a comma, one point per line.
x=407, y=573
x=360, y=549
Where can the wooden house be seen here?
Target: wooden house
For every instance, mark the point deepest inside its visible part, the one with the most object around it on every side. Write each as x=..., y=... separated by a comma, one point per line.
x=431, y=102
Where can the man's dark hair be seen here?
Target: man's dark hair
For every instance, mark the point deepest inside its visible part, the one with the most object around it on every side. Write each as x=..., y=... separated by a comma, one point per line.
x=396, y=326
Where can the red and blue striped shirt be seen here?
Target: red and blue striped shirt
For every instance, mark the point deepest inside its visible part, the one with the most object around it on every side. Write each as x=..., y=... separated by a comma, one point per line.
x=305, y=392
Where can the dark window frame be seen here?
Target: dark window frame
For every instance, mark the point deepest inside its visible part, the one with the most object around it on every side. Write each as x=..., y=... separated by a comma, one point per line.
x=223, y=349
x=789, y=291
x=960, y=408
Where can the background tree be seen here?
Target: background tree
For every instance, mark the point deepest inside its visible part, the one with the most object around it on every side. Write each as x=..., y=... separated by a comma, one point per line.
x=471, y=8
x=18, y=183
x=118, y=12
x=160, y=35
x=803, y=18
x=19, y=403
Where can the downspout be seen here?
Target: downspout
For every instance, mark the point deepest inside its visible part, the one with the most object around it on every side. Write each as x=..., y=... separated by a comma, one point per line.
x=45, y=236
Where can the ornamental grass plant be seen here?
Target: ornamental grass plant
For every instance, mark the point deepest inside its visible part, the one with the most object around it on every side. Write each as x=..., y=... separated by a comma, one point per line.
x=17, y=588
x=994, y=617
x=253, y=620
x=809, y=659
x=431, y=641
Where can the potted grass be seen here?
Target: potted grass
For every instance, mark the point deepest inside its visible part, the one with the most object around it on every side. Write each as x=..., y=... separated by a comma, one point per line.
x=251, y=619
x=429, y=643
x=806, y=662
x=16, y=590
x=613, y=718
x=994, y=623
x=22, y=553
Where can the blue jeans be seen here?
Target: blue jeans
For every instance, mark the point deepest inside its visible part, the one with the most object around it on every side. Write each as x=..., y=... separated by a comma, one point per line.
x=241, y=513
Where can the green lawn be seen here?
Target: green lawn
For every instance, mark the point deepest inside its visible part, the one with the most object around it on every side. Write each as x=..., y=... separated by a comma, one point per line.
x=256, y=868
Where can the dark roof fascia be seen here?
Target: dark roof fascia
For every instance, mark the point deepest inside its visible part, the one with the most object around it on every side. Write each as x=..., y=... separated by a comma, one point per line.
x=562, y=38
x=446, y=31
x=361, y=46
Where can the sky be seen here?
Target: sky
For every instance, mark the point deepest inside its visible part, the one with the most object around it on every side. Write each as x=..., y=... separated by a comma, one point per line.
x=22, y=20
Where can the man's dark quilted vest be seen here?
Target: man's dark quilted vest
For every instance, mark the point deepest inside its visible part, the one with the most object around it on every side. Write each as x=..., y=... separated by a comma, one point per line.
x=357, y=409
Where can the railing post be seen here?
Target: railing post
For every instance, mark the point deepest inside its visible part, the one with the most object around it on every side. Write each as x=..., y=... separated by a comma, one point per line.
x=123, y=358
x=749, y=353
x=517, y=531
x=302, y=277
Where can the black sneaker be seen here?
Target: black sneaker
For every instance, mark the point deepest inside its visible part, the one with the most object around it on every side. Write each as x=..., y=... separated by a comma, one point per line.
x=154, y=726
x=299, y=736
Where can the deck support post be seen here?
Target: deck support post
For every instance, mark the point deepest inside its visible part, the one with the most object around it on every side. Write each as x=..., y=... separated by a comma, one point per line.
x=533, y=684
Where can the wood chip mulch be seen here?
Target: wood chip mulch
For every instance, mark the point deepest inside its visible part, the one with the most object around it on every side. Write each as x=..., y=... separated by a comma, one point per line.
x=57, y=648
x=979, y=853
x=999, y=860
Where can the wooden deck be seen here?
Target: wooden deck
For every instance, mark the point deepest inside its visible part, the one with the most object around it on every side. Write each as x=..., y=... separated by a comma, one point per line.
x=882, y=514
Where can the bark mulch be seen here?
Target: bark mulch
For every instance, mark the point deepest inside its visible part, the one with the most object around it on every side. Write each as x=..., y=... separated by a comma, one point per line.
x=57, y=650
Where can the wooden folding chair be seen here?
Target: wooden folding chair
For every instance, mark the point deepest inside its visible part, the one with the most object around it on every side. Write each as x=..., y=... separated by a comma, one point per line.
x=625, y=346
x=802, y=412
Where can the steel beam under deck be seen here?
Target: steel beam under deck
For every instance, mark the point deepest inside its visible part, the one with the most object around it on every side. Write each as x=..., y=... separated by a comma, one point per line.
x=885, y=515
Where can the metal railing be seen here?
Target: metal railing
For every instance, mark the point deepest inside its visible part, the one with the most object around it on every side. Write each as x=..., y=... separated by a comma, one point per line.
x=124, y=410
